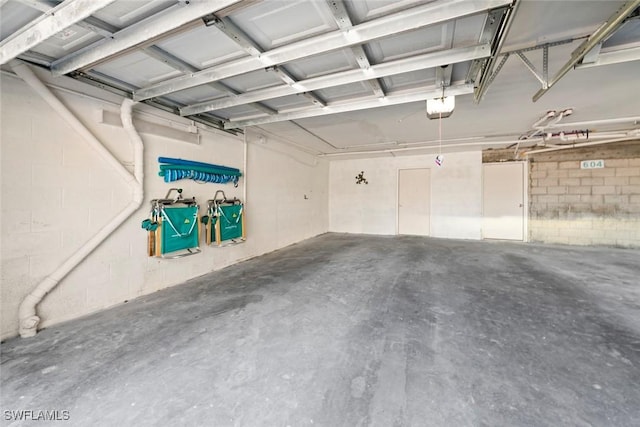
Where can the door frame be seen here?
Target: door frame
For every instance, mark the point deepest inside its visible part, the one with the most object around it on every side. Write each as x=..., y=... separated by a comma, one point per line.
x=525, y=196
x=398, y=199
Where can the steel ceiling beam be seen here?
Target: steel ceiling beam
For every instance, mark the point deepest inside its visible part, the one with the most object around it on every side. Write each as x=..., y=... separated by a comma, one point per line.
x=614, y=57
x=136, y=34
x=246, y=43
x=41, y=5
x=360, y=104
x=231, y=30
x=497, y=42
x=52, y=22
x=176, y=63
x=342, y=18
x=443, y=75
x=599, y=35
x=419, y=62
x=532, y=68
x=410, y=19
x=90, y=23
x=489, y=29
x=286, y=77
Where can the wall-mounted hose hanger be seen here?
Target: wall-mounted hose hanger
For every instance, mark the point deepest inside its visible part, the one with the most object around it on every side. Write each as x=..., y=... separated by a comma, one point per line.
x=224, y=222
x=175, y=169
x=173, y=226
x=360, y=179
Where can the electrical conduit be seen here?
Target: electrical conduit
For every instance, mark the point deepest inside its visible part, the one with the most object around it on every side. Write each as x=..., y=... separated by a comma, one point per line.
x=27, y=313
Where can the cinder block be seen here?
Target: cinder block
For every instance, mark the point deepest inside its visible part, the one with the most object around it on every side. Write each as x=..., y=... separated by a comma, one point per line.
x=33, y=243
x=14, y=269
x=547, y=165
x=634, y=180
x=634, y=162
x=564, y=231
x=634, y=198
x=558, y=173
x=592, y=199
x=592, y=181
x=580, y=240
x=569, y=198
x=631, y=189
x=538, y=190
x=603, y=189
x=616, y=163
x=15, y=221
x=627, y=243
x=579, y=208
x=548, y=199
x=616, y=199
x=557, y=190
x=603, y=172
x=548, y=182
x=569, y=165
x=616, y=180
x=580, y=190
x=580, y=225
x=579, y=173
x=635, y=171
x=537, y=210
x=47, y=176
x=569, y=181
x=538, y=174
x=556, y=239
x=42, y=265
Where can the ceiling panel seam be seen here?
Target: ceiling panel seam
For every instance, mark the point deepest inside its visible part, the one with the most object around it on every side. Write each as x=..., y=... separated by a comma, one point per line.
x=600, y=34
x=51, y=22
x=107, y=30
x=246, y=43
x=144, y=31
x=403, y=97
x=410, y=19
x=181, y=65
x=344, y=21
x=399, y=66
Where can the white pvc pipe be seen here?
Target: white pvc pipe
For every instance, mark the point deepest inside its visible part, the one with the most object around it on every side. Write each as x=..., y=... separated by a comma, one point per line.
x=635, y=120
x=22, y=70
x=27, y=313
x=244, y=169
x=427, y=147
x=584, y=144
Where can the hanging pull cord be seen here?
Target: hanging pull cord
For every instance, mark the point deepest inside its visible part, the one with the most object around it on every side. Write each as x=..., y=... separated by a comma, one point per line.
x=440, y=134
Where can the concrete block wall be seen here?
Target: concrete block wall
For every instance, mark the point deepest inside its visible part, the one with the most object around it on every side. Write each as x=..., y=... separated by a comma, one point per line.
x=56, y=193
x=456, y=194
x=586, y=206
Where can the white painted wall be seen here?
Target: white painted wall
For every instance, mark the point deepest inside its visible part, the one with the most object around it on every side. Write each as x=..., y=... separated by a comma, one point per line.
x=456, y=194
x=56, y=193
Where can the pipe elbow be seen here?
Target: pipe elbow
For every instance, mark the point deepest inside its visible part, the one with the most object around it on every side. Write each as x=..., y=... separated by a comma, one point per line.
x=28, y=320
x=126, y=108
x=28, y=326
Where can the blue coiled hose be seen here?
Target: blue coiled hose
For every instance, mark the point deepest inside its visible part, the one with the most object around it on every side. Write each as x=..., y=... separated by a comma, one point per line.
x=171, y=175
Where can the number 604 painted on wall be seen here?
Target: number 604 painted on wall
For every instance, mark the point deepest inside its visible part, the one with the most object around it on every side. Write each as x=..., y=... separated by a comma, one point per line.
x=591, y=164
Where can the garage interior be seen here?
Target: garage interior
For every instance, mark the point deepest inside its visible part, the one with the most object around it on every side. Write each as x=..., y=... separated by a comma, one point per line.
x=341, y=212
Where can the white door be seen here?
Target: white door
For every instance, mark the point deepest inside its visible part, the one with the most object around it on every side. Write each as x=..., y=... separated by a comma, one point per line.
x=503, y=201
x=414, y=188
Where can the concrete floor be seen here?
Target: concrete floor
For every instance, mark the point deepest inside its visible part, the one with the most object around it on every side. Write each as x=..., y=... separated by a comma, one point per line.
x=347, y=330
